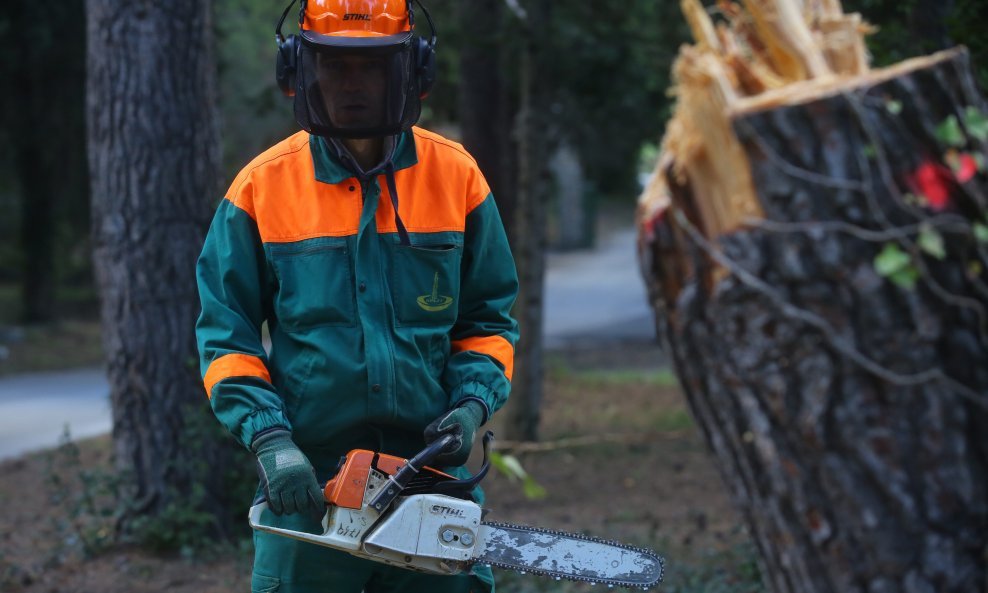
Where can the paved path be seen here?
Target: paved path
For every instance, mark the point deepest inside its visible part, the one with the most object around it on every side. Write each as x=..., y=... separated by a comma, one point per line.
x=592, y=296
x=35, y=409
x=596, y=295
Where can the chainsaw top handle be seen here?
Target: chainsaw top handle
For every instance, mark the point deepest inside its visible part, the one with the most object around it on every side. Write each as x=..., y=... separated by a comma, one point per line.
x=396, y=483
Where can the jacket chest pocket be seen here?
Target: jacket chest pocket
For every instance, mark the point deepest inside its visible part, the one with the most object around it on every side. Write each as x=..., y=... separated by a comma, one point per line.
x=315, y=287
x=425, y=284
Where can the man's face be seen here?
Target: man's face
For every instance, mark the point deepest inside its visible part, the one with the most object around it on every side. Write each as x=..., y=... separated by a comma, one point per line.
x=353, y=88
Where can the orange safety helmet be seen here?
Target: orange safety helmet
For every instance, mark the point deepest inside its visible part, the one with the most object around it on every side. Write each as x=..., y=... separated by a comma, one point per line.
x=356, y=18
x=370, y=30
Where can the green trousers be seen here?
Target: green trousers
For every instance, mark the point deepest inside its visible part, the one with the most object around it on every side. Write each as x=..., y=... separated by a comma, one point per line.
x=285, y=565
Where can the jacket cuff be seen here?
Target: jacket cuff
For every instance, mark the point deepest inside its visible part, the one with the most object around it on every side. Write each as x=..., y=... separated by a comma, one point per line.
x=474, y=391
x=260, y=421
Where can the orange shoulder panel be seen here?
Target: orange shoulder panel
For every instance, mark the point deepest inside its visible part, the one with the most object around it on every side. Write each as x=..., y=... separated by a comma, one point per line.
x=437, y=193
x=279, y=191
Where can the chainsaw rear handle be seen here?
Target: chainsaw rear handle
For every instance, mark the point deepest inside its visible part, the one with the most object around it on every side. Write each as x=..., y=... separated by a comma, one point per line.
x=254, y=517
x=396, y=483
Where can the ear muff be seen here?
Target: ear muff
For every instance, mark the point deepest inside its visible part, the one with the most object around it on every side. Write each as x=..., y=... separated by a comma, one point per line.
x=286, y=65
x=425, y=66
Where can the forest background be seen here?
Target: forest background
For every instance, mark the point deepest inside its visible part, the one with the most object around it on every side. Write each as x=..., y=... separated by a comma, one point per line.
x=604, y=71
x=608, y=88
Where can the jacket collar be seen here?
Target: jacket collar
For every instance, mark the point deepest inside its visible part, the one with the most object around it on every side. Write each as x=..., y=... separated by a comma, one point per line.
x=329, y=169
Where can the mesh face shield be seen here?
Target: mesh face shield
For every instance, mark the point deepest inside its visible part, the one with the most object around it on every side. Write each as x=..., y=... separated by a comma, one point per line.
x=356, y=87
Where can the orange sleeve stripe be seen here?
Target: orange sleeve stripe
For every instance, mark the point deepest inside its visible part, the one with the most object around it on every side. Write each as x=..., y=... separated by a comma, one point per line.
x=496, y=347
x=234, y=365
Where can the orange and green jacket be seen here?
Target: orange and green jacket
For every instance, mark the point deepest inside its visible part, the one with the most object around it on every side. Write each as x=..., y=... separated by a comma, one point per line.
x=363, y=329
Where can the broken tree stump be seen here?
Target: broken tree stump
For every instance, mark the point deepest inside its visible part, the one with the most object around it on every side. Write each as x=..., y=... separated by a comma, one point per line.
x=817, y=262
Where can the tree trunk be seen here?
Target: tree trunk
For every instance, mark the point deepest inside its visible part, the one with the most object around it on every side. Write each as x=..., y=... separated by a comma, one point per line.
x=847, y=410
x=485, y=110
x=154, y=161
x=520, y=419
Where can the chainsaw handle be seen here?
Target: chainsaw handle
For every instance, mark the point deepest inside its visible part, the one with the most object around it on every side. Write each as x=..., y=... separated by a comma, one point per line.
x=396, y=483
x=254, y=517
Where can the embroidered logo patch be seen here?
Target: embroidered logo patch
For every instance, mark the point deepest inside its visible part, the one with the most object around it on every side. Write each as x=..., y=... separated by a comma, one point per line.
x=435, y=301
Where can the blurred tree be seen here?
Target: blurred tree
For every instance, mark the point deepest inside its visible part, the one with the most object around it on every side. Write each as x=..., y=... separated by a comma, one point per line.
x=155, y=164
x=43, y=119
x=909, y=28
x=253, y=112
x=485, y=109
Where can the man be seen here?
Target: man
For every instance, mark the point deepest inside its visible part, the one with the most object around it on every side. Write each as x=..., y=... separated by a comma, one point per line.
x=375, y=254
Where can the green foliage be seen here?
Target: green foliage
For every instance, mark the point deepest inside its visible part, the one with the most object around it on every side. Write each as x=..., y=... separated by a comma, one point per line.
x=512, y=468
x=896, y=265
x=910, y=28
x=931, y=242
x=981, y=232
x=949, y=133
x=976, y=123
x=99, y=503
x=182, y=526
x=611, y=70
x=88, y=497
x=732, y=571
x=253, y=112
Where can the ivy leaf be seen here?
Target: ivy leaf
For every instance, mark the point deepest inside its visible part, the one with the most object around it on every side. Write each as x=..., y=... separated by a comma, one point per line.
x=981, y=232
x=511, y=467
x=949, y=132
x=892, y=259
x=532, y=489
x=894, y=107
x=905, y=278
x=976, y=122
x=931, y=242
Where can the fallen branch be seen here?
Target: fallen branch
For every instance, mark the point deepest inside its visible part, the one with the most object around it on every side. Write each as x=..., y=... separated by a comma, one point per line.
x=589, y=441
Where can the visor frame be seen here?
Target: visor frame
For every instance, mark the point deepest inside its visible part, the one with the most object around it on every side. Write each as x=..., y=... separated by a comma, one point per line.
x=376, y=45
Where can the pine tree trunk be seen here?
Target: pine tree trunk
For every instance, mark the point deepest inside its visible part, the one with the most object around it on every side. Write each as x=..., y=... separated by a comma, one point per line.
x=154, y=164
x=485, y=111
x=848, y=413
x=520, y=418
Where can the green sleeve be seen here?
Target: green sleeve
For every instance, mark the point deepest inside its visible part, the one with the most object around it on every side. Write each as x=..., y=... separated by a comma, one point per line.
x=488, y=288
x=233, y=289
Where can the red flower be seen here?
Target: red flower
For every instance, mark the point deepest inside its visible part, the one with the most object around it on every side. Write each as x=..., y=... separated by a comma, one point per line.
x=932, y=181
x=966, y=168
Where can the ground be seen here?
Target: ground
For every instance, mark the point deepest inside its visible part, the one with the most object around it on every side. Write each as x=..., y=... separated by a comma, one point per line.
x=646, y=479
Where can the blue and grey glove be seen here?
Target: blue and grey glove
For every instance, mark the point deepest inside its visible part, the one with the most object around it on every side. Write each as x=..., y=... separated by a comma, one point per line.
x=461, y=422
x=287, y=477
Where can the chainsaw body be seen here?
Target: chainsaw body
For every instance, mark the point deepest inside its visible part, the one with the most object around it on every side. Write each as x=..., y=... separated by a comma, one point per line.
x=421, y=530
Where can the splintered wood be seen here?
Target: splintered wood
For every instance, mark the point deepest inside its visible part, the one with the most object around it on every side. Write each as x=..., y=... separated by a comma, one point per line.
x=757, y=49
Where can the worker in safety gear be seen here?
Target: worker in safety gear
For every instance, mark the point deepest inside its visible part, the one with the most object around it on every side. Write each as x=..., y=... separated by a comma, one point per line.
x=374, y=251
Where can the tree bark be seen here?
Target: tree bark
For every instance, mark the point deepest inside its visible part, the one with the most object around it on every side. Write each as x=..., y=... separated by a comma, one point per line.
x=520, y=419
x=847, y=413
x=154, y=161
x=485, y=105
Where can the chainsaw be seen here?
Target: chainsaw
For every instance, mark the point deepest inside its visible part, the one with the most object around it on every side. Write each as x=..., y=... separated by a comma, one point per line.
x=404, y=513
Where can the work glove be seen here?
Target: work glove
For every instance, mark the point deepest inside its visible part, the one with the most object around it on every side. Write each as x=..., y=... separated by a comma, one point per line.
x=287, y=477
x=461, y=422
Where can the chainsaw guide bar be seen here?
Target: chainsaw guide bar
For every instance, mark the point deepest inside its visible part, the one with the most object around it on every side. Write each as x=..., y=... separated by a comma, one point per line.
x=543, y=552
